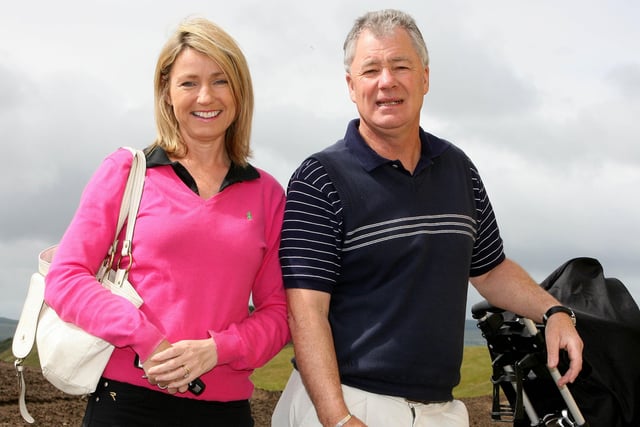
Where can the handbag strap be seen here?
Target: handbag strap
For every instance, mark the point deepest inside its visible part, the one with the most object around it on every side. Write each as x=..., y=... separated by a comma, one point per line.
x=132, y=193
x=129, y=212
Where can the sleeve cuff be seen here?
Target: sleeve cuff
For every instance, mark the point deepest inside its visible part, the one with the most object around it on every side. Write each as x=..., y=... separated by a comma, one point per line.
x=227, y=346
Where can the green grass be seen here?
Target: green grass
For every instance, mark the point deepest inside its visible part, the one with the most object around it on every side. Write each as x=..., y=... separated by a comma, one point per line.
x=274, y=375
x=6, y=355
x=5, y=347
x=475, y=372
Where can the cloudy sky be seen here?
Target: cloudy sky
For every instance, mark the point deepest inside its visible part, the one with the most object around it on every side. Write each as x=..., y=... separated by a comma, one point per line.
x=543, y=95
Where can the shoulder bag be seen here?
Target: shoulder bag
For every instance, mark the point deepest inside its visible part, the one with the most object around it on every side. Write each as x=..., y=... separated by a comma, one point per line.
x=71, y=359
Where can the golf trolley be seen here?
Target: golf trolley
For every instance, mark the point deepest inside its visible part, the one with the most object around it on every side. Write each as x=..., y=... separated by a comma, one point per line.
x=607, y=391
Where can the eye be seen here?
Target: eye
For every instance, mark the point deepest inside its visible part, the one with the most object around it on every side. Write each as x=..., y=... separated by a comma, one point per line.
x=220, y=82
x=402, y=66
x=187, y=84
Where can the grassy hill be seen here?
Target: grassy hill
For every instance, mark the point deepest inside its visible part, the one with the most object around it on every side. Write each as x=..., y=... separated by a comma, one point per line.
x=472, y=336
x=475, y=372
x=5, y=346
x=7, y=327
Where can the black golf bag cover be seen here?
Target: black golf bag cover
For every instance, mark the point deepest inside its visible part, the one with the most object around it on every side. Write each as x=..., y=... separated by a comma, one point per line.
x=607, y=390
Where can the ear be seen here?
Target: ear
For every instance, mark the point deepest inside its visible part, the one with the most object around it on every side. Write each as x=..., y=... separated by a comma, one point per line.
x=352, y=92
x=426, y=80
x=166, y=95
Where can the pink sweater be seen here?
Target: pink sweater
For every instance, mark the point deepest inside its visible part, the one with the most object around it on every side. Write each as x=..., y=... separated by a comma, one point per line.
x=196, y=263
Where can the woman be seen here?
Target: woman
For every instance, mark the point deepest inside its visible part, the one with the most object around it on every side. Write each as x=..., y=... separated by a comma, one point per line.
x=205, y=242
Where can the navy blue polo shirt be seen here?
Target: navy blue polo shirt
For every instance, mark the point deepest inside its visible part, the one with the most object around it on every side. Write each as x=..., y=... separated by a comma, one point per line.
x=395, y=250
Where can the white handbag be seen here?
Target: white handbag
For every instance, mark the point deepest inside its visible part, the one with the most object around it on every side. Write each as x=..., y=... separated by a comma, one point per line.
x=71, y=359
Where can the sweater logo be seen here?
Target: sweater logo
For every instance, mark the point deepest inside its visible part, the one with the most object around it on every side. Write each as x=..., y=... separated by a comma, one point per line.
x=249, y=216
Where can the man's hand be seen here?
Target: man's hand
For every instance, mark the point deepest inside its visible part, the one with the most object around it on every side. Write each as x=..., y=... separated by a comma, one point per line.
x=511, y=288
x=560, y=334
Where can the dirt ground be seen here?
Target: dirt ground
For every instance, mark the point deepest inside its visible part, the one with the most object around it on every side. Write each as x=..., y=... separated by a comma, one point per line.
x=51, y=407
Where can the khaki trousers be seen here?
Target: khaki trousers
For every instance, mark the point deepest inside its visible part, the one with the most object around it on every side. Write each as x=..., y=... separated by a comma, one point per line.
x=294, y=409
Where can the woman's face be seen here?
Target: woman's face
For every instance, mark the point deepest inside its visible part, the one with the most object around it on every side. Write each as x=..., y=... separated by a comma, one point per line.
x=201, y=98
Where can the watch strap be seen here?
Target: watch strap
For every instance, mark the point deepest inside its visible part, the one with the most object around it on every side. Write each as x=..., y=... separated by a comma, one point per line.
x=559, y=309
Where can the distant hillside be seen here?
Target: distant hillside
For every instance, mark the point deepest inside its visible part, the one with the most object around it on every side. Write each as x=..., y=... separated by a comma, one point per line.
x=472, y=338
x=7, y=328
x=472, y=335
x=5, y=350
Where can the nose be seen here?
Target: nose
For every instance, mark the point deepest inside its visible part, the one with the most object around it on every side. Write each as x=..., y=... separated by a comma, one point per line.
x=387, y=79
x=205, y=95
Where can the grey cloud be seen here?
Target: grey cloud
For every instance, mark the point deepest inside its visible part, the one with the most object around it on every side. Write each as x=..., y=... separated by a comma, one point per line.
x=12, y=89
x=562, y=184
x=467, y=80
x=626, y=79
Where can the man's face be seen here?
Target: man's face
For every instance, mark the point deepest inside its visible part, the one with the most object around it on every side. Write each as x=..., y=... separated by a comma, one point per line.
x=387, y=81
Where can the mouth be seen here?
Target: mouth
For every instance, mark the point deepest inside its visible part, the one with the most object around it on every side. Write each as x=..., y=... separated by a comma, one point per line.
x=206, y=114
x=389, y=103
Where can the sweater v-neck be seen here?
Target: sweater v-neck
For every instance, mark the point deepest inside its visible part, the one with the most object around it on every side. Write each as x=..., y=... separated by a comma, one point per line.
x=157, y=156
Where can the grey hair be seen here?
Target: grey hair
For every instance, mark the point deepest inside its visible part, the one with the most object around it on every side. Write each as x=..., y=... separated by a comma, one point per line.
x=383, y=23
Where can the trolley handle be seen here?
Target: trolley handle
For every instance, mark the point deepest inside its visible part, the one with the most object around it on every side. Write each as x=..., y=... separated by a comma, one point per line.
x=555, y=374
x=480, y=309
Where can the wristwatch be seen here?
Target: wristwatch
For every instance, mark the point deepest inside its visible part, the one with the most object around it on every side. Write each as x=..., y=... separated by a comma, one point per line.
x=559, y=309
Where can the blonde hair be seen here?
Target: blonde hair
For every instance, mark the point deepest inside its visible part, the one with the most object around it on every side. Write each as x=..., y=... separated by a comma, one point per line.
x=209, y=39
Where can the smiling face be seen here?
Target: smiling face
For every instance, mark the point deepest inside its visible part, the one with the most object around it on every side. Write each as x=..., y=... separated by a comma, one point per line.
x=201, y=98
x=387, y=82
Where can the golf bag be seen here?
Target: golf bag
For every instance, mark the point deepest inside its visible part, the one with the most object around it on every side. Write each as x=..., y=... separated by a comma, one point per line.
x=607, y=391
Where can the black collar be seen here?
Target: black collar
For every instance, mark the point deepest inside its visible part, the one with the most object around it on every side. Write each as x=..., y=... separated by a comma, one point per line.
x=431, y=148
x=156, y=156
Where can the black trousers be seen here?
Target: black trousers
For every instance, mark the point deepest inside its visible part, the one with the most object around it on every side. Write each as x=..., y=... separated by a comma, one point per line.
x=117, y=404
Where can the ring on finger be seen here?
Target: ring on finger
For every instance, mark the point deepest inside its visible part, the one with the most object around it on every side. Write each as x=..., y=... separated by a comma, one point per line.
x=162, y=387
x=186, y=371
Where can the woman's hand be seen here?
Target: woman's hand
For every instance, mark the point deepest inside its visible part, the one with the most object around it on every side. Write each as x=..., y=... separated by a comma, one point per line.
x=182, y=362
x=151, y=363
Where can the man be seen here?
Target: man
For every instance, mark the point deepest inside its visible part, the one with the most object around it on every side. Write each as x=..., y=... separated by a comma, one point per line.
x=382, y=233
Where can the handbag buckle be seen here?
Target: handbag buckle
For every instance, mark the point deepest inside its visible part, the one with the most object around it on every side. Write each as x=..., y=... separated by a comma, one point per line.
x=126, y=253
